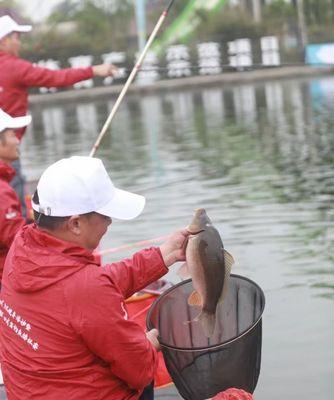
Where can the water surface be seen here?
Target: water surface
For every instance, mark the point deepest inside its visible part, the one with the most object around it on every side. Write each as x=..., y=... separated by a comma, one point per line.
x=259, y=158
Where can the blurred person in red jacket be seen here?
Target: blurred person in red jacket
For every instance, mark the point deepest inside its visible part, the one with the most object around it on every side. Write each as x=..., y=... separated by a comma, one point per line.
x=65, y=330
x=11, y=219
x=18, y=75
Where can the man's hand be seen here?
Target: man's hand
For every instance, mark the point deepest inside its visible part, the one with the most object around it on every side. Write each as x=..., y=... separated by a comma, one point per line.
x=173, y=249
x=105, y=70
x=152, y=336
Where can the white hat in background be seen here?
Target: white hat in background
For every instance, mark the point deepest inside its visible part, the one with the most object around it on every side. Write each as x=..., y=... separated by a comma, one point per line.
x=79, y=185
x=8, y=25
x=8, y=122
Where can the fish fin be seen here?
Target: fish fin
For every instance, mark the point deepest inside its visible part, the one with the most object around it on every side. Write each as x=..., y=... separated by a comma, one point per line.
x=183, y=272
x=195, y=299
x=229, y=261
x=185, y=244
x=208, y=321
x=228, y=258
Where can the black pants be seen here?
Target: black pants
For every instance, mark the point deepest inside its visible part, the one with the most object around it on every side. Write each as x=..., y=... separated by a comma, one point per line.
x=148, y=393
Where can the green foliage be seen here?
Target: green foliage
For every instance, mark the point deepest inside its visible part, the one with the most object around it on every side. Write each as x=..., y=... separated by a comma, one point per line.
x=319, y=11
x=109, y=25
x=93, y=26
x=12, y=4
x=226, y=25
x=321, y=33
x=65, y=11
x=96, y=30
x=174, y=12
x=319, y=15
x=278, y=14
x=178, y=6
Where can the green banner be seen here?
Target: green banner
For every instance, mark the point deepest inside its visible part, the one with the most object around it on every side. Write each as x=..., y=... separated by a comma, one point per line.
x=186, y=23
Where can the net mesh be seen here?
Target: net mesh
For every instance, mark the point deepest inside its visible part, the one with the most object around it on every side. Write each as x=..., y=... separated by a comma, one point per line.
x=201, y=367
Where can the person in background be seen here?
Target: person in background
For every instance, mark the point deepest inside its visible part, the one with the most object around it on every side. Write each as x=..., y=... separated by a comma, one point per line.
x=11, y=219
x=66, y=331
x=18, y=75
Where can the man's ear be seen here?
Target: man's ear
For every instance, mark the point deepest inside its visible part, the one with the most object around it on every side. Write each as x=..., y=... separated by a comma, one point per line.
x=3, y=148
x=3, y=135
x=74, y=224
x=4, y=41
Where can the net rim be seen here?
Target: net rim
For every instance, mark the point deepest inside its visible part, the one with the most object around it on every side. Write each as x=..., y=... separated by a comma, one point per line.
x=215, y=346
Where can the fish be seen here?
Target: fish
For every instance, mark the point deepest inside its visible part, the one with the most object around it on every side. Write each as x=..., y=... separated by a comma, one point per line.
x=209, y=265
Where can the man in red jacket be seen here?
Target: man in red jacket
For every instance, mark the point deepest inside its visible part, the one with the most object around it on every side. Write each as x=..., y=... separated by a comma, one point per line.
x=11, y=219
x=64, y=326
x=18, y=75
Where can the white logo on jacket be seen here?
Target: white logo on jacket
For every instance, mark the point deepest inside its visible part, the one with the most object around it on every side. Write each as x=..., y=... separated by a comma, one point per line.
x=11, y=213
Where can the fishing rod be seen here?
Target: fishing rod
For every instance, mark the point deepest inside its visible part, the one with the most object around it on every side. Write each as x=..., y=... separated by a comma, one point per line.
x=130, y=78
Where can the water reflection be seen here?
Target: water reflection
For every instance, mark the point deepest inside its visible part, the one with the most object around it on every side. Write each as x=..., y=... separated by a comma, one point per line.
x=260, y=159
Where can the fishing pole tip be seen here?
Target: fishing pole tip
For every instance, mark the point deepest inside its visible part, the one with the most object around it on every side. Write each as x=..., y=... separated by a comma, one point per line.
x=168, y=8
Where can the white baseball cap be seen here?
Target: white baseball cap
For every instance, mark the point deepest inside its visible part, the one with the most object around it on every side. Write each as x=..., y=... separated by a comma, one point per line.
x=8, y=122
x=79, y=185
x=8, y=25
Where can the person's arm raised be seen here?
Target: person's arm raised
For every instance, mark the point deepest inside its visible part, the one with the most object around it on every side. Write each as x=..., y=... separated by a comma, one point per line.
x=148, y=265
x=31, y=75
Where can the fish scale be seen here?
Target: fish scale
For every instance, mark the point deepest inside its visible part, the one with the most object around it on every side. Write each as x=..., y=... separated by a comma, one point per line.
x=209, y=266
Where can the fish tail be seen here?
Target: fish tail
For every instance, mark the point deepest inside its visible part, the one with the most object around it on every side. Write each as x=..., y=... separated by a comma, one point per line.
x=208, y=321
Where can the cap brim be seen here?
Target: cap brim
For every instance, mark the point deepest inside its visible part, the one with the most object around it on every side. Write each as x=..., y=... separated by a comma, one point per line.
x=124, y=205
x=19, y=122
x=23, y=28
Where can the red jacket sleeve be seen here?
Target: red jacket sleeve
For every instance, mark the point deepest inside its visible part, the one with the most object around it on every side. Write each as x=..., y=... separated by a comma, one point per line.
x=99, y=316
x=132, y=275
x=29, y=75
x=98, y=313
x=11, y=219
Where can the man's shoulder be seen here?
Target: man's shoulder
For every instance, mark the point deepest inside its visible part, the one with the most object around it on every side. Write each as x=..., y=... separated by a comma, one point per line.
x=93, y=276
x=89, y=282
x=7, y=193
x=11, y=65
x=12, y=69
x=9, y=58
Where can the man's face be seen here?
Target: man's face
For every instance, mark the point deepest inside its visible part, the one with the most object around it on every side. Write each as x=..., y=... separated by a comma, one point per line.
x=9, y=146
x=11, y=43
x=93, y=227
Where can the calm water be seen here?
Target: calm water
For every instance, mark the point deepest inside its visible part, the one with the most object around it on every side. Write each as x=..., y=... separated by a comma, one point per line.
x=259, y=158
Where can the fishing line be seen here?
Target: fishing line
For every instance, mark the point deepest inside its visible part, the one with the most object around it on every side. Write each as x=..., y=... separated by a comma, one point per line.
x=129, y=246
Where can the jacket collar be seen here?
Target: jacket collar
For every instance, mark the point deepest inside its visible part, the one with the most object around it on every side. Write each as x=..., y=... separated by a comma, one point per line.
x=7, y=172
